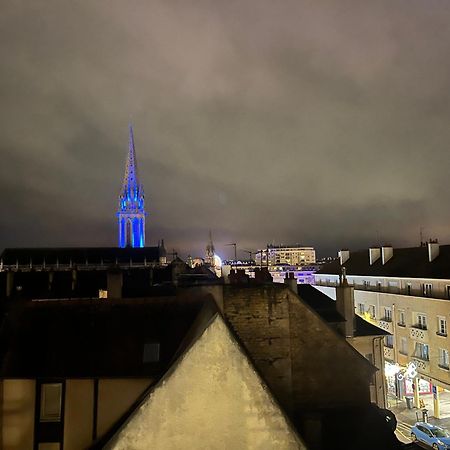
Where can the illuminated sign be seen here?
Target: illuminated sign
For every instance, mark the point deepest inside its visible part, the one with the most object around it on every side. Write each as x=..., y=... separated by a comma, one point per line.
x=410, y=372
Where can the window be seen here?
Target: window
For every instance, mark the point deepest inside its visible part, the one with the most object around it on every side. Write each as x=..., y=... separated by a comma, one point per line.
x=408, y=289
x=388, y=314
x=372, y=312
x=366, y=284
x=379, y=285
x=443, y=358
x=389, y=341
x=422, y=351
x=427, y=289
x=401, y=317
x=403, y=346
x=442, y=326
x=361, y=308
x=151, y=352
x=421, y=322
x=51, y=395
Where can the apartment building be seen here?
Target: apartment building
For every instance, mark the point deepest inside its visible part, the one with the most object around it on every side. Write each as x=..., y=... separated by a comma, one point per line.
x=294, y=255
x=406, y=292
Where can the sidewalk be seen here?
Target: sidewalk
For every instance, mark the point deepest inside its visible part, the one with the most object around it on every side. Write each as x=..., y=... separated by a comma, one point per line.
x=411, y=416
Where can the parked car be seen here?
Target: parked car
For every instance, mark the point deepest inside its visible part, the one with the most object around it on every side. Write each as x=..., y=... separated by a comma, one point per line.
x=436, y=437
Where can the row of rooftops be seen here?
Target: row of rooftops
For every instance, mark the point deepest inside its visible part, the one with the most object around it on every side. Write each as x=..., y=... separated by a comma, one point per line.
x=60, y=258
x=431, y=261
x=94, y=337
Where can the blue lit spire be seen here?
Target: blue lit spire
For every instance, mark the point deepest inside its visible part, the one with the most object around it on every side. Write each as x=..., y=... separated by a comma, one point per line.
x=131, y=213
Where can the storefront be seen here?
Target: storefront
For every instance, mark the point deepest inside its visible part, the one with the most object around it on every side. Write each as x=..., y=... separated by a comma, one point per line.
x=405, y=384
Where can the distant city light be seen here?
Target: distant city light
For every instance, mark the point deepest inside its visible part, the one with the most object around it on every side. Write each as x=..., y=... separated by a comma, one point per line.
x=217, y=261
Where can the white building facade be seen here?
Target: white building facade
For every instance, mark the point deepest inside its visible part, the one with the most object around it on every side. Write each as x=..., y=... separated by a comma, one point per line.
x=293, y=255
x=405, y=292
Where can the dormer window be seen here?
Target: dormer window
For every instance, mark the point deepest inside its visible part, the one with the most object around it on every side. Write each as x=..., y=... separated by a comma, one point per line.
x=151, y=352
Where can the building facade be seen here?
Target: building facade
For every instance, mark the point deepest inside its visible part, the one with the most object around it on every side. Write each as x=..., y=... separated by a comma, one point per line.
x=405, y=292
x=131, y=213
x=292, y=255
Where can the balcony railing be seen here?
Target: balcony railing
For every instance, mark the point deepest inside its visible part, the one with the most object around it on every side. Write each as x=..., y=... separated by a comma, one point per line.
x=422, y=364
x=389, y=353
x=418, y=334
x=385, y=325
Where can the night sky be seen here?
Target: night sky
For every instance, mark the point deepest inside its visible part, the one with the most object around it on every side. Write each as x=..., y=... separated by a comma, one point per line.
x=323, y=123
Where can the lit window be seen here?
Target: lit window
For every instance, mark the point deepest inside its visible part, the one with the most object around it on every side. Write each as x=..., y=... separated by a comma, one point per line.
x=51, y=395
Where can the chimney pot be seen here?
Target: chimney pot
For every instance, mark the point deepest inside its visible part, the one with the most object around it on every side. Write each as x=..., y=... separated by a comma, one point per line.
x=387, y=252
x=344, y=256
x=433, y=250
x=374, y=254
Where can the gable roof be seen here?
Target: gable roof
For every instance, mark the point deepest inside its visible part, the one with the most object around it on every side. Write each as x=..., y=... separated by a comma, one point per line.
x=231, y=383
x=326, y=308
x=321, y=303
x=406, y=262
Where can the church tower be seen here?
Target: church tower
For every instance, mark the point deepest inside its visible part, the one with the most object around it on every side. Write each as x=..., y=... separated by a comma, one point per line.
x=131, y=213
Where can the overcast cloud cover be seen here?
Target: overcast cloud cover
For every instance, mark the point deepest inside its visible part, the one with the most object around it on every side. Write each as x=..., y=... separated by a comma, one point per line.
x=320, y=122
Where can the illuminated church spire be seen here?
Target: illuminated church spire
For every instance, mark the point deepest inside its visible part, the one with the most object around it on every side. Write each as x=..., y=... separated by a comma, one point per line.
x=131, y=211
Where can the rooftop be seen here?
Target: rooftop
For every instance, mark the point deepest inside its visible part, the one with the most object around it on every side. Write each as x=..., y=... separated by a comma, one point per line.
x=410, y=262
x=78, y=256
x=326, y=308
x=94, y=338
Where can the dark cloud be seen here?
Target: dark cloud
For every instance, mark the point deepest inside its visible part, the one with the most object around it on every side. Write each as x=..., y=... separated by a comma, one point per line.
x=325, y=123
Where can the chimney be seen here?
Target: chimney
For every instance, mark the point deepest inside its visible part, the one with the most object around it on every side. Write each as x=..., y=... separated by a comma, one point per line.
x=344, y=256
x=387, y=252
x=433, y=250
x=374, y=254
x=291, y=281
x=345, y=305
x=114, y=283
